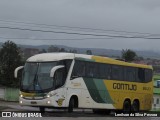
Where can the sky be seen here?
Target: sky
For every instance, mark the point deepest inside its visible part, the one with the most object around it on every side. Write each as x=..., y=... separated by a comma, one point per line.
x=92, y=21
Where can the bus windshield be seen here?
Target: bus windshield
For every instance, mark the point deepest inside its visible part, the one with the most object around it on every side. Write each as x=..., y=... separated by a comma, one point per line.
x=36, y=76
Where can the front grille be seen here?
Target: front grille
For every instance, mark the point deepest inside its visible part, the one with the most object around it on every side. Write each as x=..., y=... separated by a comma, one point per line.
x=33, y=98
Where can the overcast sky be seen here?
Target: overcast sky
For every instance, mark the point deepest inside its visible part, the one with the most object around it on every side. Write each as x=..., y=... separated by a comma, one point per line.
x=141, y=16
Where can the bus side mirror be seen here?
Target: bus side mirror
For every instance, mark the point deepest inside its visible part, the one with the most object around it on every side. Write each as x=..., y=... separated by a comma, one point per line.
x=53, y=70
x=16, y=71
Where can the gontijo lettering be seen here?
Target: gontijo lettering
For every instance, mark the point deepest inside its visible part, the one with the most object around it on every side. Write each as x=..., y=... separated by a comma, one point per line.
x=123, y=86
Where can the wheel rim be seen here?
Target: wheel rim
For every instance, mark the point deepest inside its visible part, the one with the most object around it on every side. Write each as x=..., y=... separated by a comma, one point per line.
x=126, y=107
x=135, y=107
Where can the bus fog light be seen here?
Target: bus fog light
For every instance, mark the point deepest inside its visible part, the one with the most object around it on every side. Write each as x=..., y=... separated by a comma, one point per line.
x=48, y=96
x=48, y=102
x=20, y=102
x=21, y=96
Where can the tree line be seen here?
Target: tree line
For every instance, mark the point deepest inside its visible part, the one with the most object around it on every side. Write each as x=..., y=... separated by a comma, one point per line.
x=58, y=49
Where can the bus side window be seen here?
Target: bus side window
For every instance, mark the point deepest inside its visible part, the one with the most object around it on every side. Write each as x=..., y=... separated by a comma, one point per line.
x=141, y=75
x=91, y=70
x=117, y=72
x=148, y=75
x=104, y=71
x=78, y=69
x=130, y=74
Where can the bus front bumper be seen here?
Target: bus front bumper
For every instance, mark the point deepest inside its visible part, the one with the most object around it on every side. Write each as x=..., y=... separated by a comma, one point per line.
x=37, y=102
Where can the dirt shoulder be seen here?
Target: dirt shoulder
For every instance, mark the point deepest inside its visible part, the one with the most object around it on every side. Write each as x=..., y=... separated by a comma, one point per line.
x=6, y=103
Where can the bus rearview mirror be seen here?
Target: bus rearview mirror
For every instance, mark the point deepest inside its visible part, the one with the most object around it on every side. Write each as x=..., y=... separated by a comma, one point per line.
x=16, y=71
x=53, y=70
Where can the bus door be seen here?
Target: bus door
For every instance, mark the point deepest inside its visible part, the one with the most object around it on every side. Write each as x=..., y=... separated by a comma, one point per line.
x=60, y=78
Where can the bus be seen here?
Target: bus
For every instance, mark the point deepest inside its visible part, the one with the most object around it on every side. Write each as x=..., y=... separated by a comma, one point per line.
x=68, y=80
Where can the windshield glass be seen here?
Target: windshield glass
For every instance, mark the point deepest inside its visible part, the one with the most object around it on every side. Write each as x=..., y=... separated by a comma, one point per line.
x=36, y=76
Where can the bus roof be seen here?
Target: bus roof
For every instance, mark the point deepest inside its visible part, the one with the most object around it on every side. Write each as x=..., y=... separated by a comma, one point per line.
x=46, y=57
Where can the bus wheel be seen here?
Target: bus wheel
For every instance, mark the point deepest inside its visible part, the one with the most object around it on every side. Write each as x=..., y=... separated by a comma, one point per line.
x=95, y=111
x=127, y=106
x=108, y=112
x=135, y=106
x=42, y=109
x=71, y=105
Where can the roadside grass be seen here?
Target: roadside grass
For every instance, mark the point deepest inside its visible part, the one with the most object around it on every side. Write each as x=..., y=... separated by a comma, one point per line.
x=156, y=77
x=156, y=110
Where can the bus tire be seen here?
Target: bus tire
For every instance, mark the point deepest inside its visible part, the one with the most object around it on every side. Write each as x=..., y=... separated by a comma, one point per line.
x=71, y=105
x=42, y=109
x=95, y=111
x=135, y=106
x=127, y=106
x=108, y=112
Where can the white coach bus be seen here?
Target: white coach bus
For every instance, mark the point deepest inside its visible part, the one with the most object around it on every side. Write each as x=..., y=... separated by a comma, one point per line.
x=68, y=80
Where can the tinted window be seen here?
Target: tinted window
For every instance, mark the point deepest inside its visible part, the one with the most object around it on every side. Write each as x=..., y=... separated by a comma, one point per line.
x=59, y=77
x=66, y=63
x=129, y=74
x=108, y=71
x=117, y=72
x=92, y=70
x=141, y=75
x=104, y=71
x=79, y=69
x=148, y=75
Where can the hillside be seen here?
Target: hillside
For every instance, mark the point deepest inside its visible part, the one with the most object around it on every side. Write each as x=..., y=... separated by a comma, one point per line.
x=97, y=51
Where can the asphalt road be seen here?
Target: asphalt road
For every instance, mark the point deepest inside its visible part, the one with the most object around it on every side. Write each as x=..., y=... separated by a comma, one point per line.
x=77, y=115
x=51, y=114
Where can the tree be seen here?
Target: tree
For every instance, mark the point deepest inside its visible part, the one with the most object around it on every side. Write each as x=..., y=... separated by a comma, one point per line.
x=62, y=50
x=53, y=49
x=43, y=51
x=128, y=55
x=10, y=59
x=89, y=52
x=73, y=51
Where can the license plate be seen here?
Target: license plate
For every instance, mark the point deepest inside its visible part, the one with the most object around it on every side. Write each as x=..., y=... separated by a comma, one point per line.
x=33, y=102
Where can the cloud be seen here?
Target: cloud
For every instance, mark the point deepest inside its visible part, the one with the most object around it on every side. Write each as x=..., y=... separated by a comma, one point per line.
x=120, y=15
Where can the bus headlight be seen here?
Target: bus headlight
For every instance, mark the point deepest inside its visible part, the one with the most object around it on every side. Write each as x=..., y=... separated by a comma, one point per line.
x=20, y=102
x=48, y=96
x=21, y=95
x=48, y=102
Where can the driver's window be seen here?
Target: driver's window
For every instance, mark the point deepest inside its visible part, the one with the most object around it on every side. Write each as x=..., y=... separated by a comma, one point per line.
x=59, y=77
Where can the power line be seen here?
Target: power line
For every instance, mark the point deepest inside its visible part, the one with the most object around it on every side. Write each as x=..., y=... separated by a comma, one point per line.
x=62, y=26
x=56, y=39
x=75, y=33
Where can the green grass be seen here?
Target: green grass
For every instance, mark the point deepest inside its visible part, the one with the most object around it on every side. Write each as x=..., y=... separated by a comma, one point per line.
x=156, y=110
x=156, y=77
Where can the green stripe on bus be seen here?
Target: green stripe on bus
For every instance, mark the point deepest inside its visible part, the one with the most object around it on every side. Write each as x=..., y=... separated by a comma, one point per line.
x=103, y=90
x=93, y=90
x=97, y=90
